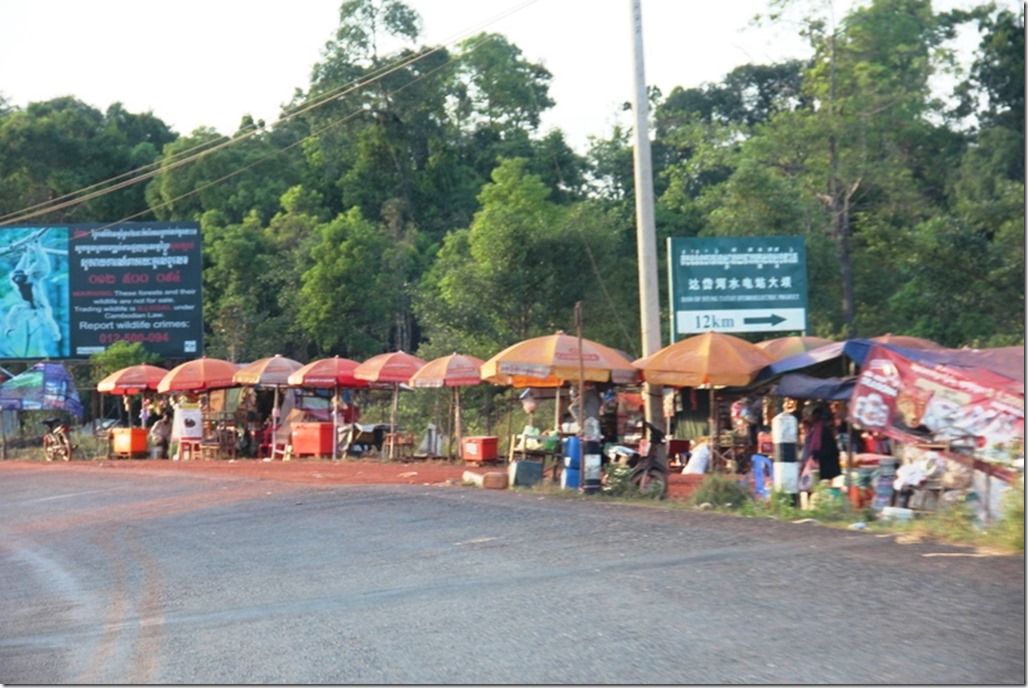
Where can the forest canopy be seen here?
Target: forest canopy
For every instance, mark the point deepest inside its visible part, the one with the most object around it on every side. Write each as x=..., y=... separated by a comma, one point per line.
x=408, y=200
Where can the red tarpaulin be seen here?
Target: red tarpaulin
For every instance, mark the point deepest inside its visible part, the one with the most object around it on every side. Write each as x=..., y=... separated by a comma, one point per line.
x=922, y=402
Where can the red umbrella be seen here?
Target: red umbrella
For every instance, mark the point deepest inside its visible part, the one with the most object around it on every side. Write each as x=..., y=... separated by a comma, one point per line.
x=132, y=380
x=199, y=375
x=136, y=379
x=327, y=372
x=455, y=371
x=333, y=373
x=393, y=368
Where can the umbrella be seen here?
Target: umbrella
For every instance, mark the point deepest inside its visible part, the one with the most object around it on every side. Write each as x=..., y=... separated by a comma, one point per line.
x=455, y=371
x=199, y=375
x=392, y=368
x=334, y=373
x=274, y=372
x=906, y=341
x=712, y=359
x=136, y=379
x=551, y=360
x=783, y=347
x=132, y=380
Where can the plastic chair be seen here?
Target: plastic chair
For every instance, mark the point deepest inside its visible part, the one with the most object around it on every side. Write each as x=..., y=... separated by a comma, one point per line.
x=762, y=468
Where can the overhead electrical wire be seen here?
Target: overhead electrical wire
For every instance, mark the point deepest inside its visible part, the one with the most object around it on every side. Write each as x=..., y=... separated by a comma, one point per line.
x=200, y=151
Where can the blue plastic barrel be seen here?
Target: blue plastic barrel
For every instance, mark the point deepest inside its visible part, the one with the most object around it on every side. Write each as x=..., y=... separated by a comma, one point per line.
x=573, y=452
x=570, y=479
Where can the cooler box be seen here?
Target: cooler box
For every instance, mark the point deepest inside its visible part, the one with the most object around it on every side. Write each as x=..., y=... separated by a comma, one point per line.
x=482, y=448
x=131, y=442
x=312, y=439
x=524, y=473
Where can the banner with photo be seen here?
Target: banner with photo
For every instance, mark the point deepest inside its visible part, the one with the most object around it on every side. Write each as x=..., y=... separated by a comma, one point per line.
x=911, y=401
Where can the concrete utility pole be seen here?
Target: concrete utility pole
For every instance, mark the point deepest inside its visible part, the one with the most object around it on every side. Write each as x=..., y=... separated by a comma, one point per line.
x=646, y=231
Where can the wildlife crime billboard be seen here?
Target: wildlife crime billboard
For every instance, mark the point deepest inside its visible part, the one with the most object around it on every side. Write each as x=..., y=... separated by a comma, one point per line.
x=73, y=290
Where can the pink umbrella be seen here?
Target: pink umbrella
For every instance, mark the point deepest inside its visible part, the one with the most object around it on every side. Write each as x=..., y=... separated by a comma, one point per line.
x=455, y=371
x=393, y=368
x=273, y=372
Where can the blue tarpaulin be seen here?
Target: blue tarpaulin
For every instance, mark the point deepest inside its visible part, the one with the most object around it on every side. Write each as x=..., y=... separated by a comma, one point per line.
x=46, y=386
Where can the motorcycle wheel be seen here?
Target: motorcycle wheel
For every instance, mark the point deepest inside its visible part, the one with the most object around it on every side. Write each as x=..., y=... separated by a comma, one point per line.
x=651, y=482
x=50, y=448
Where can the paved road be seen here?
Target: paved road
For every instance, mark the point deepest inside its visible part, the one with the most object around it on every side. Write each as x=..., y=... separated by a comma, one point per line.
x=112, y=577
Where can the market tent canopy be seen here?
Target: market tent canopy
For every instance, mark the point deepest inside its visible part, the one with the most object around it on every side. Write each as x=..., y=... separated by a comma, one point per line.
x=46, y=386
x=799, y=386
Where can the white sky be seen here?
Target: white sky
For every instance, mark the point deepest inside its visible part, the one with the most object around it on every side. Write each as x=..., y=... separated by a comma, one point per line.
x=208, y=62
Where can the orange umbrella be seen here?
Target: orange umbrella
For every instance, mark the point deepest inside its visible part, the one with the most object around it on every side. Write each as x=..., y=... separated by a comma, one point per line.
x=199, y=375
x=551, y=360
x=456, y=371
x=394, y=368
x=907, y=341
x=711, y=358
x=332, y=372
x=132, y=380
x=783, y=347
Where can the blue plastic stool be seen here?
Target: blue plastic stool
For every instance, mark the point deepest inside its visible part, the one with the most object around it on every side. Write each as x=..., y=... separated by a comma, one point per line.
x=761, y=472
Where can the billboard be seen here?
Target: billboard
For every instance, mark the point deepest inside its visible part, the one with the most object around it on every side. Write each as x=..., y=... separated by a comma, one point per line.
x=737, y=284
x=69, y=291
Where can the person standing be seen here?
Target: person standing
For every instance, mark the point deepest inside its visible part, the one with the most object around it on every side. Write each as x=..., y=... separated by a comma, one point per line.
x=784, y=435
x=820, y=451
x=160, y=435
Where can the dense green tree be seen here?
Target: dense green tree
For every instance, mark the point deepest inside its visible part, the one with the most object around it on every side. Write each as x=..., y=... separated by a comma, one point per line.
x=65, y=161
x=235, y=176
x=348, y=297
x=521, y=267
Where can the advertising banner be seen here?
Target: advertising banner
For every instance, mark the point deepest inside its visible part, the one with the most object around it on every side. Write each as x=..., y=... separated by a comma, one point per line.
x=73, y=290
x=916, y=402
x=46, y=386
x=737, y=284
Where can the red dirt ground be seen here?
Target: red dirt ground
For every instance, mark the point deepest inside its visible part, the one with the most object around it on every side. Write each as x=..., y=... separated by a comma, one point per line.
x=343, y=472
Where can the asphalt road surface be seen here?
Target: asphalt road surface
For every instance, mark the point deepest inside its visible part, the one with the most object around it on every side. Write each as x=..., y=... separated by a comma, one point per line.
x=123, y=577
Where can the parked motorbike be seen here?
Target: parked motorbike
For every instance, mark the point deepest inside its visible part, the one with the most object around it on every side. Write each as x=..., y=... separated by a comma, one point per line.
x=649, y=474
x=57, y=440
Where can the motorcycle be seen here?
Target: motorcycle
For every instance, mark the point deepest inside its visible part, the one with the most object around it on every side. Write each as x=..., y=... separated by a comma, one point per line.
x=648, y=473
x=57, y=440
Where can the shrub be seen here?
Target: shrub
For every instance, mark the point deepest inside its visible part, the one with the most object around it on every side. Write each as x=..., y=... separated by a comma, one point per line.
x=722, y=492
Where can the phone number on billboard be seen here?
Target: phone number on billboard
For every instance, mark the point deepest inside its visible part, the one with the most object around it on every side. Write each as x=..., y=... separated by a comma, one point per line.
x=111, y=337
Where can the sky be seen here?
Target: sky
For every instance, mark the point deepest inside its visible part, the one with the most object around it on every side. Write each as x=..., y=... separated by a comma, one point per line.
x=209, y=62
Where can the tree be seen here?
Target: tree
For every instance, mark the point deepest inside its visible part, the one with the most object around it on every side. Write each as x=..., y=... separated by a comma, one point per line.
x=348, y=297
x=62, y=154
x=521, y=266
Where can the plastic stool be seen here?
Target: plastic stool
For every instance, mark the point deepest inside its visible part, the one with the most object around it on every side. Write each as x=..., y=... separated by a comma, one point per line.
x=188, y=450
